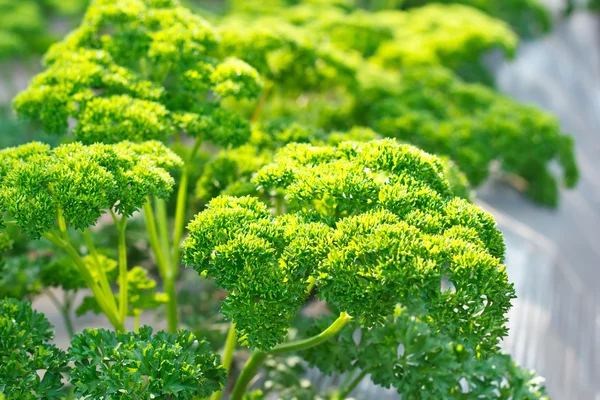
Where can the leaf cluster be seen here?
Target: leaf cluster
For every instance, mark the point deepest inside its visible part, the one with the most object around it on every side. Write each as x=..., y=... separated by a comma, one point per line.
x=528, y=18
x=143, y=365
x=405, y=354
x=375, y=224
x=39, y=185
x=140, y=70
x=402, y=89
x=25, y=349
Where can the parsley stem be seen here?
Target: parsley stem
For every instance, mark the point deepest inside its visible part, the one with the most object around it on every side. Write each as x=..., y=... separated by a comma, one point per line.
x=123, y=281
x=62, y=224
x=163, y=224
x=181, y=205
x=87, y=237
x=154, y=241
x=111, y=313
x=257, y=358
x=228, y=351
x=164, y=268
x=346, y=392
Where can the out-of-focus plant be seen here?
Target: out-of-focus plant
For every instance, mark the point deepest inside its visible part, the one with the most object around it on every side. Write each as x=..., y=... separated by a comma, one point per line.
x=401, y=89
x=25, y=24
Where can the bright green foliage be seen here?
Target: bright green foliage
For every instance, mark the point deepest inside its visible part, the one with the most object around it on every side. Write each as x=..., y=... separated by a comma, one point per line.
x=426, y=36
x=262, y=261
x=289, y=56
x=473, y=126
x=528, y=17
x=356, y=214
x=405, y=354
x=231, y=172
x=25, y=350
x=140, y=70
x=38, y=185
x=400, y=90
x=422, y=36
x=133, y=366
x=142, y=295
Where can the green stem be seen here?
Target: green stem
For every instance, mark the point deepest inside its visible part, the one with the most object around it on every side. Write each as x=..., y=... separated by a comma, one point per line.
x=136, y=326
x=252, y=365
x=111, y=313
x=346, y=392
x=123, y=281
x=104, y=284
x=228, y=351
x=172, y=315
x=322, y=337
x=62, y=224
x=311, y=284
x=258, y=357
x=154, y=241
x=180, y=208
x=163, y=267
x=261, y=101
x=163, y=224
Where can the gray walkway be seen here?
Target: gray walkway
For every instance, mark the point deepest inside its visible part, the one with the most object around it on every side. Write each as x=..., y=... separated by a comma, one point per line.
x=554, y=255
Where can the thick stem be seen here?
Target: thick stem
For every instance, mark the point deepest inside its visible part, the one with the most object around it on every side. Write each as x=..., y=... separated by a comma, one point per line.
x=163, y=267
x=163, y=224
x=66, y=313
x=104, y=284
x=172, y=315
x=180, y=208
x=227, y=356
x=257, y=358
x=261, y=101
x=161, y=261
x=111, y=313
x=123, y=281
x=343, y=393
x=180, y=216
x=252, y=365
x=62, y=224
x=136, y=326
x=322, y=337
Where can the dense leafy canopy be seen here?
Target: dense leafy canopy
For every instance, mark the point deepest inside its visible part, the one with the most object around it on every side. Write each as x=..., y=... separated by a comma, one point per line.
x=528, y=17
x=404, y=354
x=132, y=366
x=356, y=213
x=38, y=184
x=25, y=350
x=140, y=70
x=402, y=82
